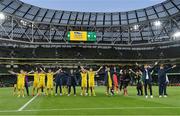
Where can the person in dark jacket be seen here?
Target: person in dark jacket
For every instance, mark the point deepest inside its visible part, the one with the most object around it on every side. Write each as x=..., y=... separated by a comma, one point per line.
x=138, y=77
x=64, y=83
x=58, y=81
x=121, y=80
x=108, y=81
x=167, y=82
x=162, y=79
x=126, y=79
x=71, y=82
x=26, y=84
x=147, y=78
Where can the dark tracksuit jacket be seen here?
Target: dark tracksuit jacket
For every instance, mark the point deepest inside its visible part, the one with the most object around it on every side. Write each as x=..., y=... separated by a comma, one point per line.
x=149, y=70
x=58, y=78
x=147, y=82
x=162, y=80
x=71, y=80
x=162, y=75
x=106, y=80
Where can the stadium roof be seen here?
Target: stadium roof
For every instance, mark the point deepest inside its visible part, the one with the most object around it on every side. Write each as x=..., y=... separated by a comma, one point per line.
x=33, y=13
x=30, y=23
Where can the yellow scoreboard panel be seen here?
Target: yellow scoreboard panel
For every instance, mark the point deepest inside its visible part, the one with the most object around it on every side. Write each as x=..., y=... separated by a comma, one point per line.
x=78, y=35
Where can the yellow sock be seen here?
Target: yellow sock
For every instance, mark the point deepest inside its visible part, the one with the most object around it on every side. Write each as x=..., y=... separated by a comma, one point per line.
x=33, y=92
x=39, y=91
x=63, y=90
x=47, y=92
x=84, y=91
x=22, y=93
x=52, y=92
x=19, y=93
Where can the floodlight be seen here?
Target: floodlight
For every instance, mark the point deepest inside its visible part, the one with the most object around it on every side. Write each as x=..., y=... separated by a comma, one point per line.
x=2, y=16
x=136, y=27
x=23, y=22
x=177, y=34
x=157, y=23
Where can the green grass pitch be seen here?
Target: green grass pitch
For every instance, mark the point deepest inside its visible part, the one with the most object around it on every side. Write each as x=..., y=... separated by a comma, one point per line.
x=99, y=105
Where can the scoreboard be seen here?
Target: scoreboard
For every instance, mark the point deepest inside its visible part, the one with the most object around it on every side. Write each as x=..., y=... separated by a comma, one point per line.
x=81, y=36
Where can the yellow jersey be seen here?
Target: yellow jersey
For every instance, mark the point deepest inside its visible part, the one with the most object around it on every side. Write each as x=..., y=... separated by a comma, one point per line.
x=42, y=77
x=50, y=77
x=36, y=77
x=84, y=77
x=21, y=77
x=109, y=80
x=91, y=75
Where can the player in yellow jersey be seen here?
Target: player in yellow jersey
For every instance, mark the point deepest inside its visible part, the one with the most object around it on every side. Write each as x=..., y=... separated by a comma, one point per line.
x=91, y=81
x=50, y=78
x=36, y=81
x=20, y=81
x=108, y=79
x=41, y=85
x=83, y=81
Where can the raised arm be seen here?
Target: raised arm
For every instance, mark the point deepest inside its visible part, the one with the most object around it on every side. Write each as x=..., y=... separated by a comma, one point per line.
x=156, y=63
x=82, y=69
x=132, y=71
x=13, y=73
x=30, y=72
x=140, y=72
x=98, y=69
x=58, y=71
x=170, y=68
x=42, y=69
x=121, y=72
x=152, y=68
x=139, y=66
x=174, y=66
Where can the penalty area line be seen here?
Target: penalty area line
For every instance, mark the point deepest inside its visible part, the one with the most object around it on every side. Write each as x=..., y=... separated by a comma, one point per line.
x=26, y=104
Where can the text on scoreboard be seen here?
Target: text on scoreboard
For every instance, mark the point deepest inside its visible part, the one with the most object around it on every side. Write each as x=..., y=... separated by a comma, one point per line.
x=81, y=36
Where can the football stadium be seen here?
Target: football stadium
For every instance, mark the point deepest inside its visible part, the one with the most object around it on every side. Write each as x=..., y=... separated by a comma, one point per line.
x=70, y=62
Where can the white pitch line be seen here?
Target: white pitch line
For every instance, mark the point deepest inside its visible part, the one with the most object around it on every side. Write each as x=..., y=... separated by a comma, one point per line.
x=25, y=105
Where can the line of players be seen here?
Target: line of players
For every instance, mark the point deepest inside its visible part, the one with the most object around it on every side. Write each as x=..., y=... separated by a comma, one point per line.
x=40, y=85
x=142, y=74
